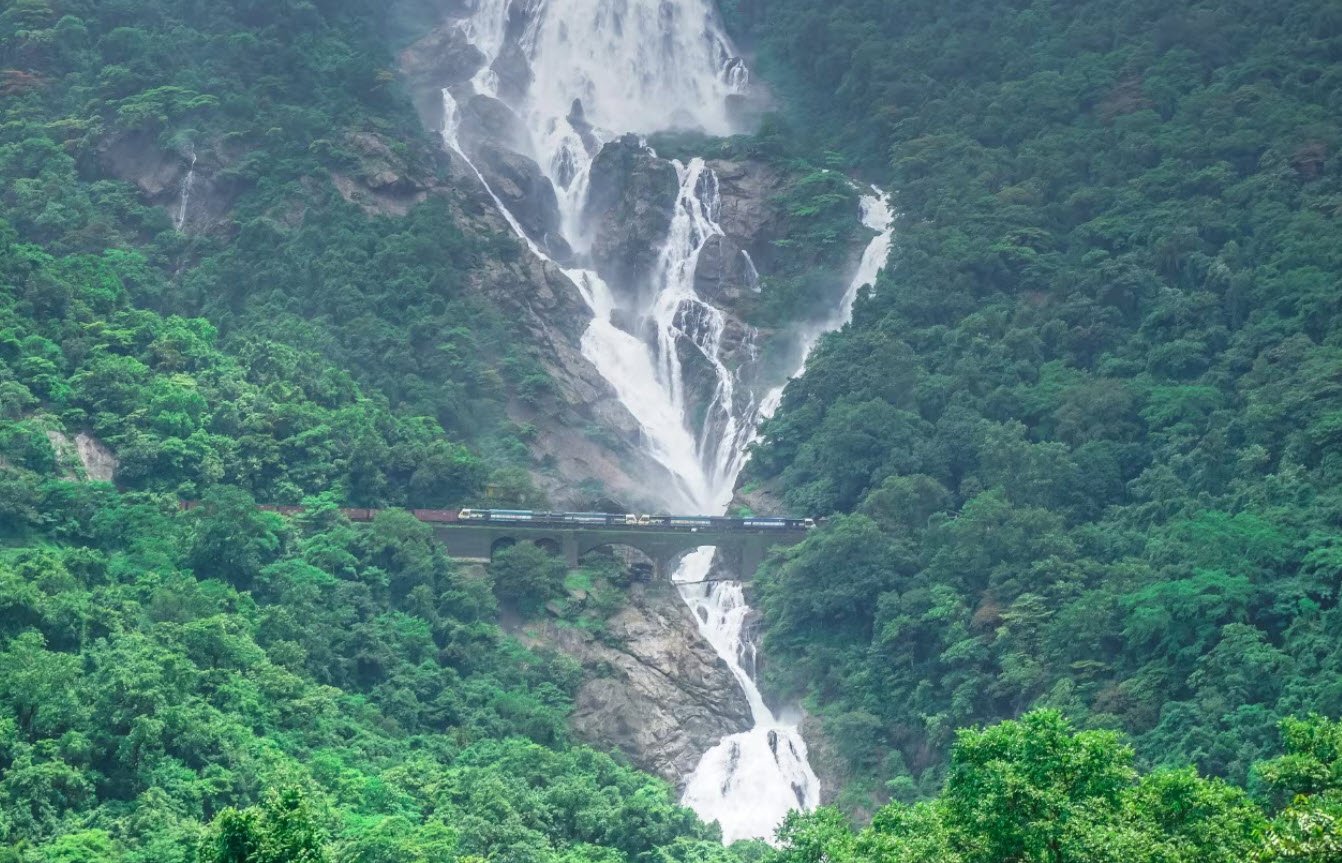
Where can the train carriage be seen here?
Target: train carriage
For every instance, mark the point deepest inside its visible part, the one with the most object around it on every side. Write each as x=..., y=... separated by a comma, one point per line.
x=436, y=516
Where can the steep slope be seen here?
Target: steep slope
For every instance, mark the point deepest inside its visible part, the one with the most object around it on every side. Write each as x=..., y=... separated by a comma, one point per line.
x=282, y=187
x=1080, y=445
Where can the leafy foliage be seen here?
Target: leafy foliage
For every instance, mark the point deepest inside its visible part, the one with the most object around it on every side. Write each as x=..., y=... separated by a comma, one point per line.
x=1036, y=790
x=323, y=691
x=1087, y=418
x=283, y=102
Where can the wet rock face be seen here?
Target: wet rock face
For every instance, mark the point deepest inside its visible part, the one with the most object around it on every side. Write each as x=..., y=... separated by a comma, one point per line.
x=631, y=195
x=527, y=193
x=443, y=58
x=495, y=140
x=749, y=215
x=654, y=689
x=724, y=275
x=513, y=71
x=485, y=120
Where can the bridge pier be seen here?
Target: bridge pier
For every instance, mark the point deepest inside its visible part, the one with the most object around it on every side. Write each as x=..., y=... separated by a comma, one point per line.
x=571, y=554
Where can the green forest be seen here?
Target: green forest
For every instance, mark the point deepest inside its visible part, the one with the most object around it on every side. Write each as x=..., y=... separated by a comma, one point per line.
x=1081, y=444
x=1075, y=598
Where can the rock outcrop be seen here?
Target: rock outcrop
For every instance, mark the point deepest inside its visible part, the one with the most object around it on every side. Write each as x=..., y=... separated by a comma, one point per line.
x=386, y=183
x=85, y=458
x=630, y=199
x=825, y=760
x=100, y=465
x=654, y=689
x=750, y=215
x=195, y=189
x=444, y=58
x=485, y=121
x=527, y=193
x=725, y=274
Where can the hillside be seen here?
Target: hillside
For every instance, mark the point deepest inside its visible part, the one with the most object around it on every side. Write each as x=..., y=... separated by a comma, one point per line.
x=1080, y=445
x=1074, y=595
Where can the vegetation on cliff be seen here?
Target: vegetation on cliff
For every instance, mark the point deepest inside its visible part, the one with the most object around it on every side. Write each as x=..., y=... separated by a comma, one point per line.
x=163, y=670
x=335, y=318
x=224, y=684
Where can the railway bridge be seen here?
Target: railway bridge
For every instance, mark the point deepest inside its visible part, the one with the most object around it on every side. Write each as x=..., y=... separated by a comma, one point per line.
x=742, y=543
x=741, y=550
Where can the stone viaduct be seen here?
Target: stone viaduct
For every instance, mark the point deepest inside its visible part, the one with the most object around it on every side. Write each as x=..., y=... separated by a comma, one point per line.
x=741, y=550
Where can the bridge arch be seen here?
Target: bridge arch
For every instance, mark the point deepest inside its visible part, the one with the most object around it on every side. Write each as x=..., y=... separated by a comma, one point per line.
x=550, y=546
x=640, y=565
x=501, y=543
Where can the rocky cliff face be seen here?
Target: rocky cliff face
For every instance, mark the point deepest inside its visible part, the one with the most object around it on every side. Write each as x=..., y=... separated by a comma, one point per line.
x=84, y=458
x=630, y=197
x=589, y=440
x=653, y=688
x=443, y=58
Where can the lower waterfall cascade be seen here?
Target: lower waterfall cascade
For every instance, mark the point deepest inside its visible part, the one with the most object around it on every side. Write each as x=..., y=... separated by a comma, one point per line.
x=600, y=54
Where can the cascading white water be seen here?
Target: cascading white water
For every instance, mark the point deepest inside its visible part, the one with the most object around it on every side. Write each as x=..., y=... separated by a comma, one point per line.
x=879, y=217
x=190, y=180
x=645, y=66
x=749, y=781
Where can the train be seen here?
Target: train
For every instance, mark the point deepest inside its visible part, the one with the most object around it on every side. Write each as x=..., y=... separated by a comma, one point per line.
x=608, y=519
x=691, y=523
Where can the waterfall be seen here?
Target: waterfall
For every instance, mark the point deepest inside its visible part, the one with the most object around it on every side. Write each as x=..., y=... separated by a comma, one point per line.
x=187, y=182
x=599, y=69
x=750, y=780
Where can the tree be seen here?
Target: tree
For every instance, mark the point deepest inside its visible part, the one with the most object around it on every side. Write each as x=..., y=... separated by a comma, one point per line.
x=1016, y=790
x=526, y=576
x=282, y=829
x=232, y=539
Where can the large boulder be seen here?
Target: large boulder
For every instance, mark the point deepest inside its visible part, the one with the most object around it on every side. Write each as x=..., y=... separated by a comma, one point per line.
x=723, y=274
x=442, y=58
x=445, y=58
x=486, y=120
x=630, y=199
